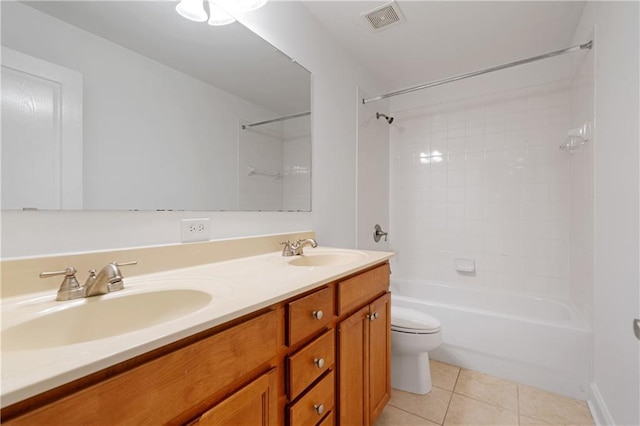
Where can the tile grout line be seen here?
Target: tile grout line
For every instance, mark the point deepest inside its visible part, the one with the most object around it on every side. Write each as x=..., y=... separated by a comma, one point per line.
x=488, y=403
x=516, y=411
x=451, y=398
x=518, y=404
x=453, y=391
x=413, y=414
x=420, y=416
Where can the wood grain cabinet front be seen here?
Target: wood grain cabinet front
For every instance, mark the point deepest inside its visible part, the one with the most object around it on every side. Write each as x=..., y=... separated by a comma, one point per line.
x=311, y=362
x=364, y=363
x=329, y=420
x=166, y=389
x=309, y=314
x=255, y=404
x=315, y=404
x=360, y=289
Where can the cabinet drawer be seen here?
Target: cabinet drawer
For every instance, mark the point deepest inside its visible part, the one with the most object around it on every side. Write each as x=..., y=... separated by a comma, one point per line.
x=355, y=291
x=308, y=315
x=155, y=392
x=328, y=421
x=310, y=409
x=311, y=362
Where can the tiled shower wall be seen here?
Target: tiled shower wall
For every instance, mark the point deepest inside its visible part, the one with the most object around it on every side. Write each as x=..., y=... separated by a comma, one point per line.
x=296, y=184
x=581, y=192
x=282, y=150
x=482, y=178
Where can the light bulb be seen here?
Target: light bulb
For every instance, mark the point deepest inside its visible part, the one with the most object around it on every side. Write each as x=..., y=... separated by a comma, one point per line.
x=192, y=10
x=218, y=16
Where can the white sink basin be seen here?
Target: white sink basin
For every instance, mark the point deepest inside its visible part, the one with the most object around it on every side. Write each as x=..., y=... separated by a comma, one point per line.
x=327, y=258
x=95, y=318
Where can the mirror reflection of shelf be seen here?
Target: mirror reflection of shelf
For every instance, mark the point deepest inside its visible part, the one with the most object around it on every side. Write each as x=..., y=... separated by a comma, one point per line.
x=255, y=171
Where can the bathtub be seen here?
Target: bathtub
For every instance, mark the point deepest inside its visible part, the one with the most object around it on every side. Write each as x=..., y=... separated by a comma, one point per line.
x=539, y=342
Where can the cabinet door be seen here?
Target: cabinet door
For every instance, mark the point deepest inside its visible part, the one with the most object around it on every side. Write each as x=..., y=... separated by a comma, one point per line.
x=253, y=405
x=379, y=355
x=353, y=343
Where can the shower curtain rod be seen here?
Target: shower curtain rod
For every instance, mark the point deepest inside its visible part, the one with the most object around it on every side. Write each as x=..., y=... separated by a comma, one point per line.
x=288, y=117
x=587, y=45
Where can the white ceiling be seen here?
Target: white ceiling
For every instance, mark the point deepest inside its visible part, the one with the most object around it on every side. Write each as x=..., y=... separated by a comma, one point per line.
x=440, y=39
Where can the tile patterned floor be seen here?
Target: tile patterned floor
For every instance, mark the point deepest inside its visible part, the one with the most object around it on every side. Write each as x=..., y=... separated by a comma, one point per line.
x=465, y=397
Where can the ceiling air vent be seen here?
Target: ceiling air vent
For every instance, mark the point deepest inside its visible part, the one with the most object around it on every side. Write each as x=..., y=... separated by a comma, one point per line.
x=384, y=16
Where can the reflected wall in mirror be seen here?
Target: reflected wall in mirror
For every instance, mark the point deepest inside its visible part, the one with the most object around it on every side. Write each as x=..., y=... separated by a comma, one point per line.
x=128, y=106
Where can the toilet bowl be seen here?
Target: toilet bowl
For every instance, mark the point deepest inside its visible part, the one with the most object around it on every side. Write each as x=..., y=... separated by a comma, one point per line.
x=413, y=335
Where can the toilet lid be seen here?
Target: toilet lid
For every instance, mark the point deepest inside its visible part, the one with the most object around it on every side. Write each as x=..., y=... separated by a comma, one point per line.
x=404, y=319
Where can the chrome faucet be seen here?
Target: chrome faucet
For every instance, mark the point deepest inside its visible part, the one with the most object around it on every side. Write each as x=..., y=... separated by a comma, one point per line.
x=295, y=248
x=109, y=279
x=70, y=288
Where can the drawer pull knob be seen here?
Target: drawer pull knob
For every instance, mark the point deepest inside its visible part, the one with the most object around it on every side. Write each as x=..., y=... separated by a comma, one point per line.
x=319, y=408
x=319, y=362
x=317, y=315
x=373, y=316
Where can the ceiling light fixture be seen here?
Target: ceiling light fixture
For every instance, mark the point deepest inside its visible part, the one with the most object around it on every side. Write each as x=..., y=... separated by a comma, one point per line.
x=193, y=10
x=218, y=16
x=221, y=12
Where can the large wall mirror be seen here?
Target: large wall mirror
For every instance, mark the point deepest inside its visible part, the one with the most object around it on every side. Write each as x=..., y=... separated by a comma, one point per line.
x=125, y=105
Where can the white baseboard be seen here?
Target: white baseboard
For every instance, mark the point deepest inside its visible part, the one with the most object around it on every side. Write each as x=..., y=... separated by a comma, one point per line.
x=598, y=408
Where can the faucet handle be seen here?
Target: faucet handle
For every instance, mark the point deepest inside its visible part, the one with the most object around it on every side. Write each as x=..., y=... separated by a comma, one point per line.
x=68, y=272
x=287, y=250
x=133, y=262
x=70, y=287
x=378, y=233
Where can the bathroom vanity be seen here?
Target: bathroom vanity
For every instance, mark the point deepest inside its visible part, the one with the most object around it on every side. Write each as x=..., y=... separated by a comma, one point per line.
x=290, y=344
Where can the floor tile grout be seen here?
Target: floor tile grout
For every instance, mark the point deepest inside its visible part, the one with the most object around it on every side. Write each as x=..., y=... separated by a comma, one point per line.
x=413, y=414
x=444, y=419
x=454, y=390
x=518, y=400
x=486, y=402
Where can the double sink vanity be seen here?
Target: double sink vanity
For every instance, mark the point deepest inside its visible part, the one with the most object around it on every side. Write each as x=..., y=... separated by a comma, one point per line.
x=259, y=339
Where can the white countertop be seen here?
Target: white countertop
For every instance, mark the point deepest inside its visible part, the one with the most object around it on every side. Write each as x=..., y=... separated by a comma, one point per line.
x=237, y=287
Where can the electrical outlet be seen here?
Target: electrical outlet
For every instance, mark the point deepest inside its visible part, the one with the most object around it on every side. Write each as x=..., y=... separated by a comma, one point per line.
x=192, y=230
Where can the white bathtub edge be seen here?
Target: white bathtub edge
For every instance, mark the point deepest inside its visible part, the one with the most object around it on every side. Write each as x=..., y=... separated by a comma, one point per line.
x=599, y=410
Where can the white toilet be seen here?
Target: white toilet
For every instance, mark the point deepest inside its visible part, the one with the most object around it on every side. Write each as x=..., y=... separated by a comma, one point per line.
x=413, y=335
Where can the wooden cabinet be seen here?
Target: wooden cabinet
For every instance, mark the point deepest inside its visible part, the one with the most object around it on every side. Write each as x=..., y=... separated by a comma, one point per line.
x=309, y=314
x=354, y=292
x=253, y=405
x=364, y=346
x=311, y=362
x=364, y=362
x=379, y=355
x=321, y=358
x=310, y=369
x=315, y=404
x=171, y=388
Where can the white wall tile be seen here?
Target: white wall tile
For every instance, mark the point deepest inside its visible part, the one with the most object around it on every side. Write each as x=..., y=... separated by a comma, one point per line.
x=501, y=195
